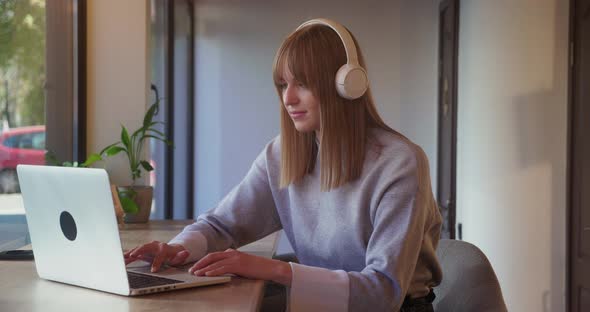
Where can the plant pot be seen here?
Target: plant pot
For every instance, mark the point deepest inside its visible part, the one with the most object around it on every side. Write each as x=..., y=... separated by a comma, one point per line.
x=143, y=199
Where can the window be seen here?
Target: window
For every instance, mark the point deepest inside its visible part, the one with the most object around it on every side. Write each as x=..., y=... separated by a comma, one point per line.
x=173, y=75
x=41, y=99
x=38, y=141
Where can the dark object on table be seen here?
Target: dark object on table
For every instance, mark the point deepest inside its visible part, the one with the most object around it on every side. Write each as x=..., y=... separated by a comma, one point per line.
x=16, y=255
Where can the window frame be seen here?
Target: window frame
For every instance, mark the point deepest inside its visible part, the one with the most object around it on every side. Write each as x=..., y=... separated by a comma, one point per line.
x=174, y=22
x=65, y=86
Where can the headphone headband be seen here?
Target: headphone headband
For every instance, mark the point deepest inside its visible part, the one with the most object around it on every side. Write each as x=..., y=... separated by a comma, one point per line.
x=344, y=35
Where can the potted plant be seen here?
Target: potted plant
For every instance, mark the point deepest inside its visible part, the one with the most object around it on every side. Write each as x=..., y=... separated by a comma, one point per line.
x=135, y=200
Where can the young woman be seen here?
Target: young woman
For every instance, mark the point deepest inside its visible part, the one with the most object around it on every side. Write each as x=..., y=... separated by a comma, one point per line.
x=352, y=195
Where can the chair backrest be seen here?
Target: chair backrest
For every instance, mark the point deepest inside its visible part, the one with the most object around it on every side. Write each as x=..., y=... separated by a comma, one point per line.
x=469, y=282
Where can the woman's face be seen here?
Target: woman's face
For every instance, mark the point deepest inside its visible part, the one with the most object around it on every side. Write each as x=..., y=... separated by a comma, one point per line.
x=300, y=103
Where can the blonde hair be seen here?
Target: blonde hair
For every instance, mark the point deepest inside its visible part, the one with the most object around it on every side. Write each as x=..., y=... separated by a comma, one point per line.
x=313, y=55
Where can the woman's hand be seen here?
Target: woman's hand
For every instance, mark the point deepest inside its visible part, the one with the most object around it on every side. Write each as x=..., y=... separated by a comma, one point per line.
x=235, y=262
x=157, y=253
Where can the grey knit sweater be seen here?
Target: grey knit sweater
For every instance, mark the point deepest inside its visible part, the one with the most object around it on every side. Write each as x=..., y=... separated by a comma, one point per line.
x=362, y=247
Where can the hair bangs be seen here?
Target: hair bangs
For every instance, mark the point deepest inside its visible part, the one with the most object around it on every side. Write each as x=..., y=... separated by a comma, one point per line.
x=298, y=54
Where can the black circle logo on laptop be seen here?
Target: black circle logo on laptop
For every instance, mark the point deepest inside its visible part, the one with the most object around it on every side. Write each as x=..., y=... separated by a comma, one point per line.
x=68, y=225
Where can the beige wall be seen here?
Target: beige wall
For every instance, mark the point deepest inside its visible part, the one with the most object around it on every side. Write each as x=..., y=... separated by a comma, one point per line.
x=512, y=138
x=118, y=74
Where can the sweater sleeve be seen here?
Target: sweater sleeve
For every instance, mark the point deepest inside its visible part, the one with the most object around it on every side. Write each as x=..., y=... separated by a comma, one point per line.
x=318, y=289
x=400, y=257
x=392, y=255
x=247, y=213
x=404, y=236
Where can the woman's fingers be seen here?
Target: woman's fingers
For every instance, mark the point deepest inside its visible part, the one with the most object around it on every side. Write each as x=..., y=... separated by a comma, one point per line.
x=126, y=254
x=179, y=257
x=163, y=253
x=130, y=251
x=214, y=264
x=149, y=248
x=128, y=257
x=243, y=264
x=219, y=271
x=229, y=262
x=211, y=258
x=157, y=253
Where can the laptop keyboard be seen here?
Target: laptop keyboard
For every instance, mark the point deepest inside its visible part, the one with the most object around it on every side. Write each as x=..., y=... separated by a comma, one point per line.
x=137, y=280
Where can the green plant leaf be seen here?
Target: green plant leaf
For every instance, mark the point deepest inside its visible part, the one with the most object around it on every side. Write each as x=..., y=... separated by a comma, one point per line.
x=125, y=138
x=136, y=173
x=150, y=114
x=159, y=139
x=127, y=192
x=138, y=131
x=127, y=199
x=153, y=123
x=109, y=146
x=153, y=137
x=146, y=165
x=157, y=132
x=132, y=144
x=51, y=159
x=128, y=205
x=91, y=160
x=114, y=150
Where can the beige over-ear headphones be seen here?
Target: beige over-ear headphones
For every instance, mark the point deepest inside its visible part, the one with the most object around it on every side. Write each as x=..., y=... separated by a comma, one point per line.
x=351, y=78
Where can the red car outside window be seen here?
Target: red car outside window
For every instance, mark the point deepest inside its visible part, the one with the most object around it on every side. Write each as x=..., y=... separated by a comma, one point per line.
x=25, y=145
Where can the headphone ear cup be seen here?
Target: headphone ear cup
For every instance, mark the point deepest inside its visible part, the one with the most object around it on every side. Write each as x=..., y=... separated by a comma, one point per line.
x=351, y=81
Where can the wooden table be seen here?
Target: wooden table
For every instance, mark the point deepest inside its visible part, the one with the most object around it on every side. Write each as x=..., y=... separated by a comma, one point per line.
x=22, y=290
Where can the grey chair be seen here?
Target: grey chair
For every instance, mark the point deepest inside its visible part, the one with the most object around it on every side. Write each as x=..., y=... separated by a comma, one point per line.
x=469, y=282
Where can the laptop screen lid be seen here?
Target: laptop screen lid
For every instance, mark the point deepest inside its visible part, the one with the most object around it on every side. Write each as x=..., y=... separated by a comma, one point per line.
x=73, y=227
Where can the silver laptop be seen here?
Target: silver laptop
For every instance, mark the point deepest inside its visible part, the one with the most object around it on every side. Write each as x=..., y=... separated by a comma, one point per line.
x=75, y=237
